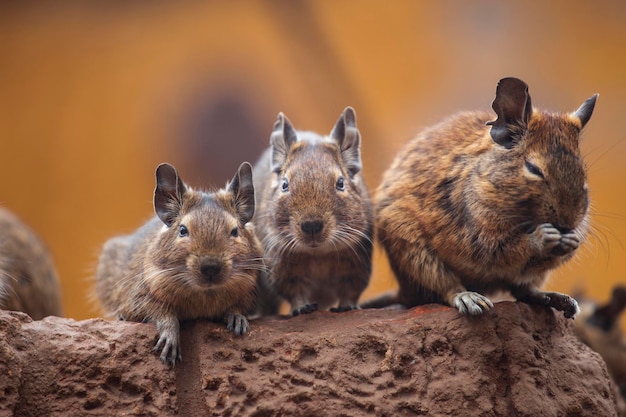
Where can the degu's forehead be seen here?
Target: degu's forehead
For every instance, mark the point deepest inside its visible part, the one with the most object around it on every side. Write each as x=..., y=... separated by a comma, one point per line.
x=307, y=157
x=551, y=130
x=212, y=211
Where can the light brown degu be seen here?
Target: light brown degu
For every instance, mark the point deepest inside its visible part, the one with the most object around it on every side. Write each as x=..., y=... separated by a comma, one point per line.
x=28, y=278
x=197, y=258
x=474, y=204
x=314, y=216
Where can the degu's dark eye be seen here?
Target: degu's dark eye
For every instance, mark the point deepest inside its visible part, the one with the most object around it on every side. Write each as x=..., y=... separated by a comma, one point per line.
x=235, y=232
x=183, y=231
x=284, y=185
x=341, y=184
x=534, y=169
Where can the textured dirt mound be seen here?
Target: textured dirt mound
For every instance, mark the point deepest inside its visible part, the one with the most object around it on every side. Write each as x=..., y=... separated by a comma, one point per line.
x=516, y=360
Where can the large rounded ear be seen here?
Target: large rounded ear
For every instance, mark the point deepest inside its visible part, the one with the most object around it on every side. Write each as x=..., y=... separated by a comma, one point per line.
x=168, y=194
x=282, y=138
x=585, y=110
x=346, y=134
x=242, y=188
x=513, y=107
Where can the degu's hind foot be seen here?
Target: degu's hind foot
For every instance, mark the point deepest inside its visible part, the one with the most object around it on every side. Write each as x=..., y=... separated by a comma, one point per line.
x=556, y=300
x=564, y=303
x=304, y=309
x=344, y=308
x=472, y=303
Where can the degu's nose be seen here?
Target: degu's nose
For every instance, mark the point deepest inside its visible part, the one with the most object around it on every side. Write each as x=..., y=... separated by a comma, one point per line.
x=312, y=227
x=210, y=268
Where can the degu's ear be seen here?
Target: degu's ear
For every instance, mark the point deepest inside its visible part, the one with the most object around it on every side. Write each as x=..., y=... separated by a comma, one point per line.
x=346, y=134
x=513, y=107
x=585, y=110
x=168, y=194
x=282, y=138
x=607, y=316
x=242, y=188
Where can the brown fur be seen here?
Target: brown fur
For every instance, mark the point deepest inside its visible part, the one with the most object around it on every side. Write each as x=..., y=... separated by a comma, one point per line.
x=598, y=327
x=313, y=268
x=468, y=208
x=156, y=275
x=28, y=278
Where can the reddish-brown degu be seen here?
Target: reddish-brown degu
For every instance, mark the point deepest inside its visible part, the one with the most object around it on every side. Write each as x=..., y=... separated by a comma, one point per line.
x=474, y=204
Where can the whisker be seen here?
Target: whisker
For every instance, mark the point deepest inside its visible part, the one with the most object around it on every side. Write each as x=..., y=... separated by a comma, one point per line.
x=592, y=163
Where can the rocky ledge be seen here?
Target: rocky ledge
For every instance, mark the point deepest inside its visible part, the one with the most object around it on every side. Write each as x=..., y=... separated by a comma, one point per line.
x=516, y=360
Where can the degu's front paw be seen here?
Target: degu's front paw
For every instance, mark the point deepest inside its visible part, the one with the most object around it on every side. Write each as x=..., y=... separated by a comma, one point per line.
x=169, y=341
x=237, y=324
x=550, y=241
x=569, y=243
x=473, y=303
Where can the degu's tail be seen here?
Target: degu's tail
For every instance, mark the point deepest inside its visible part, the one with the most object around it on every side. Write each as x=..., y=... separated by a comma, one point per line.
x=382, y=301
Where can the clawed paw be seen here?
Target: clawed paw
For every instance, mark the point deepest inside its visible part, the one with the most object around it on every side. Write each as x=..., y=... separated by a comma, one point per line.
x=237, y=324
x=556, y=300
x=169, y=340
x=169, y=346
x=345, y=308
x=305, y=309
x=472, y=303
x=568, y=244
x=564, y=303
x=553, y=242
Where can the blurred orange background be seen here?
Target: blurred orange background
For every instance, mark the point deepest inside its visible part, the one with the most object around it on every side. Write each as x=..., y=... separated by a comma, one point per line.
x=93, y=95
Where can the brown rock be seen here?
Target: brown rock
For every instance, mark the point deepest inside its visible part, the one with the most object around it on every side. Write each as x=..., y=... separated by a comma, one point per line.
x=515, y=360
x=61, y=367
